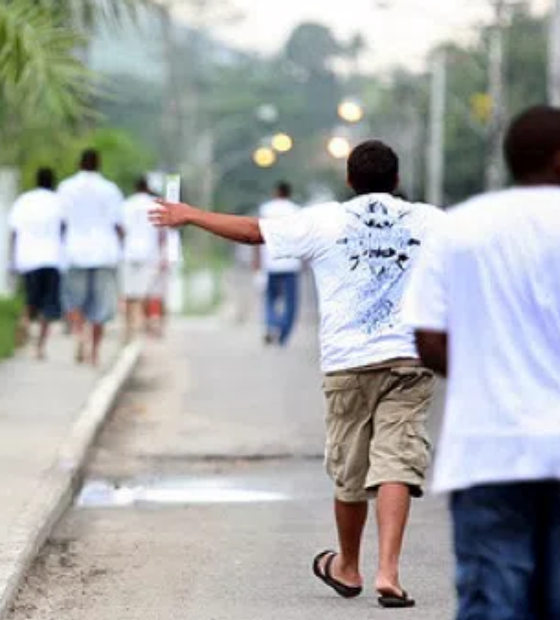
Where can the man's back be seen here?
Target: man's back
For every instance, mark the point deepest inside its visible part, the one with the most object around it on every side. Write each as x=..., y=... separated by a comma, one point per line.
x=141, y=240
x=92, y=210
x=500, y=260
x=361, y=252
x=36, y=218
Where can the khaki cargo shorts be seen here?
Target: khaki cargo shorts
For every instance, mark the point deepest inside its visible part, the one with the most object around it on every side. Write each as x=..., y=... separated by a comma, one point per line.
x=376, y=429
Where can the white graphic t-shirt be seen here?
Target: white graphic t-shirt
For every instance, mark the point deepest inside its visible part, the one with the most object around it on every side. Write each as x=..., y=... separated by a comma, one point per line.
x=279, y=207
x=36, y=218
x=361, y=253
x=489, y=278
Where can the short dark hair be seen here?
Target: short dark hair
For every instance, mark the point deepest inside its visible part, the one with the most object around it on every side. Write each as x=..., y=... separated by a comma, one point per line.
x=373, y=166
x=283, y=189
x=46, y=178
x=90, y=160
x=142, y=185
x=532, y=141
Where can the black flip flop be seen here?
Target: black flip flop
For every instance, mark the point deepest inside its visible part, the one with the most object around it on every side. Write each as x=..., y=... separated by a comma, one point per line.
x=394, y=601
x=326, y=577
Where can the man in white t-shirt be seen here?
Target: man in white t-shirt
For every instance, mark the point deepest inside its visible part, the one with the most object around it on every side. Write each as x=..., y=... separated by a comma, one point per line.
x=35, y=222
x=281, y=291
x=93, y=236
x=485, y=301
x=144, y=260
x=361, y=252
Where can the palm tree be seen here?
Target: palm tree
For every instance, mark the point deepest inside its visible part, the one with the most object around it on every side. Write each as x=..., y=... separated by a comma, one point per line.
x=38, y=70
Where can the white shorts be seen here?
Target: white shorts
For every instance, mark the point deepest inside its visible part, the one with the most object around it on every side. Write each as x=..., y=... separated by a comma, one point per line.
x=140, y=280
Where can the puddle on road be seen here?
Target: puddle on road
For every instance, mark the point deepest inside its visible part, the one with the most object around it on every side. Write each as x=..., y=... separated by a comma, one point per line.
x=174, y=492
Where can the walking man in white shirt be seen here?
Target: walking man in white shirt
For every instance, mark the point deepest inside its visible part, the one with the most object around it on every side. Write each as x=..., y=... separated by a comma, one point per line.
x=93, y=236
x=36, y=246
x=282, y=274
x=361, y=252
x=145, y=260
x=485, y=301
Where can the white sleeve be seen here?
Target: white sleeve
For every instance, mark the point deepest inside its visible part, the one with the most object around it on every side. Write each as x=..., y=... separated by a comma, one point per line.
x=13, y=217
x=425, y=303
x=292, y=236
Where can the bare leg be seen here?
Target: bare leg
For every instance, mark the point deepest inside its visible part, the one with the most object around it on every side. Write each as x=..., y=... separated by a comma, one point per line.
x=131, y=306
x=393, y=507
x=96, y=337
x=44, y=329
x=350, y=521
x=77, y=323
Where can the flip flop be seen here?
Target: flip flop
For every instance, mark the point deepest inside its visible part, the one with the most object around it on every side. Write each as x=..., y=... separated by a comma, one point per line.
x=394, y=601
x=326, y=576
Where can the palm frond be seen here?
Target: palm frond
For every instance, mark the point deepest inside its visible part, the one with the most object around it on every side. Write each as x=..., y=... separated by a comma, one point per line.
x=87, y=14
x=39, y=72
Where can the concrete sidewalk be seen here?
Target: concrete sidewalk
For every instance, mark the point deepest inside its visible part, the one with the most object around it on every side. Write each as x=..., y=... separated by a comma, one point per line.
x=50, y=412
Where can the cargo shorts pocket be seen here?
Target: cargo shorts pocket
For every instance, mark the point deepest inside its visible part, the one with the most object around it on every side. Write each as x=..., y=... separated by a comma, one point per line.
x=414, y=380
x=334, y=463
x=342, y=393
x=416, y=447
x=413, y=390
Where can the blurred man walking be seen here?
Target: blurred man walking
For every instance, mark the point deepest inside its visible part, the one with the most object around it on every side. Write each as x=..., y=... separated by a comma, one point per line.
x=487, y=285
x=361, y=252
x=282, y=274
x=94, y=232
x=145, y=263
x=36, y=240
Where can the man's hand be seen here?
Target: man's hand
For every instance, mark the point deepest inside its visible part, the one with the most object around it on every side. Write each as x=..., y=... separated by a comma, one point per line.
x=169, y=214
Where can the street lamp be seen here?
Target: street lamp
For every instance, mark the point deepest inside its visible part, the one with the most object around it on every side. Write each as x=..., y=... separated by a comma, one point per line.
x=339, y=147
x=264, y=157
x=282, y=142
x=350, y=111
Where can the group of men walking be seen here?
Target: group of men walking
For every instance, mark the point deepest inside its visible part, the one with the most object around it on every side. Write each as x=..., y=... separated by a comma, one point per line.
x=78, y=246
x=406, y=291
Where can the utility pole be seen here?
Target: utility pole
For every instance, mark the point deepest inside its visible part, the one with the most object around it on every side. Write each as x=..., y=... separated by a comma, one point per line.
x=554, y=56
x=496, y=78
x=172, y=119
x=436, y=142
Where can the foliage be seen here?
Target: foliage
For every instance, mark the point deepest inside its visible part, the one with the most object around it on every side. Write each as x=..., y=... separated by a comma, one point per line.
x=10, y=311
x=40, y=78
x=124, y=159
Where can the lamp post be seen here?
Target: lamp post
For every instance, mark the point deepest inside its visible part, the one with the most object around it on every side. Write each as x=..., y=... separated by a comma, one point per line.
x=339, y=147
x=351, y=111
x=554, y=56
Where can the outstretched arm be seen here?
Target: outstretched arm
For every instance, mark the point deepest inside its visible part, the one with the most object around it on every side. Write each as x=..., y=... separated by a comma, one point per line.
x=241, y=229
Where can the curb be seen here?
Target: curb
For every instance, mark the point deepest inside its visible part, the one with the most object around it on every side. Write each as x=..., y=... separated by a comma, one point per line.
x=62, y=480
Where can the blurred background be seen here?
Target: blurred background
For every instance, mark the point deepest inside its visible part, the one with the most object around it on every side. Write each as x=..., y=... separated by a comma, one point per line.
x=236, y=94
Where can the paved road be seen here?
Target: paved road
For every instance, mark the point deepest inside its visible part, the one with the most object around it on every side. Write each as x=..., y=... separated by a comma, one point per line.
x=206, y=498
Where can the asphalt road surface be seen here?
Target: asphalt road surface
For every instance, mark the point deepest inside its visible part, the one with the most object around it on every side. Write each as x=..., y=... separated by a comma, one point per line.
x=206, y=499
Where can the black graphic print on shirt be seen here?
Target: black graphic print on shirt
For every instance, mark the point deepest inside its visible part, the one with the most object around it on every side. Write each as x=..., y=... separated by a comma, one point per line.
x=380, y=245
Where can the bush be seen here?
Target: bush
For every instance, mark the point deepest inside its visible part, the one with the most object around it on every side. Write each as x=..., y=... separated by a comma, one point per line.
x=10, y=311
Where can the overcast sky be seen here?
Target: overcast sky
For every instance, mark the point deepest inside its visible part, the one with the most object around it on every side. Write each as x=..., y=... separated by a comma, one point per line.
x=401, y=34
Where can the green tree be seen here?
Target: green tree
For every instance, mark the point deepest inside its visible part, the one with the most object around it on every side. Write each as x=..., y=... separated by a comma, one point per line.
x=38, y=70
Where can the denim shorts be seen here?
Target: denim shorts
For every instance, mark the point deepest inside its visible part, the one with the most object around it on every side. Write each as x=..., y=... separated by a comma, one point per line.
x=93, y=292
x=42, y=293
x=507, y=546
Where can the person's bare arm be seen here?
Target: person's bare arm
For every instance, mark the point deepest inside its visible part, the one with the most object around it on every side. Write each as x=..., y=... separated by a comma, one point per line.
x=119, y=229
x=239, y=228
x=432, y=347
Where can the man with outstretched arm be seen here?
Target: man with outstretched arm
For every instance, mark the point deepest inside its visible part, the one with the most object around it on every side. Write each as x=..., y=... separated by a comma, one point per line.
x=377, y=393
